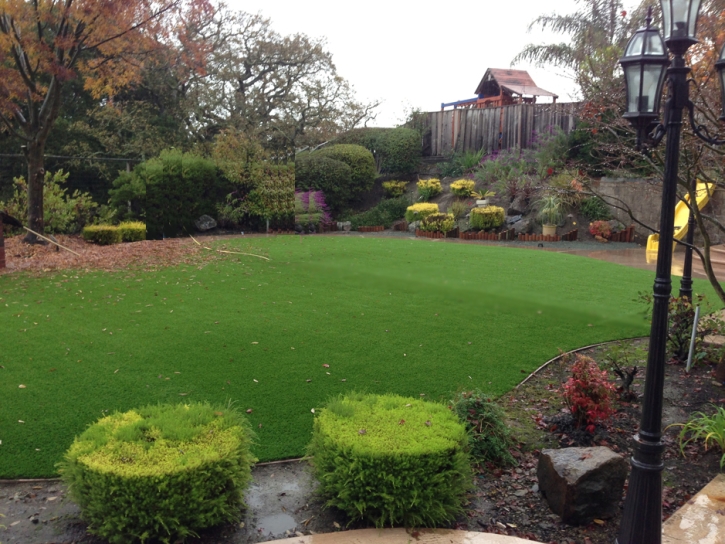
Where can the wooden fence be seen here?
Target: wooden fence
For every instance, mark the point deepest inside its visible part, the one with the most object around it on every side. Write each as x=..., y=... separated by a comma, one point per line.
x=494, y=128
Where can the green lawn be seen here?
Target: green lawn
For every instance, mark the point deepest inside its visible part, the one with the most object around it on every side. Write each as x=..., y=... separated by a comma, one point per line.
x=387, y=315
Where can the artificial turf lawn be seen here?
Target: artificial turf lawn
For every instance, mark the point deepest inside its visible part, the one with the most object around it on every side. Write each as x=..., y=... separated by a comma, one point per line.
x=405, y=316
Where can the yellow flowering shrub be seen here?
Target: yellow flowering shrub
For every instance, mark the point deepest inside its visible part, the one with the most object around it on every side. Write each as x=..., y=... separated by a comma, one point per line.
x=462, y=187
x=417, y=212
x=487, y=218
x=394, y=189
x=428, y=188
x=438, y=222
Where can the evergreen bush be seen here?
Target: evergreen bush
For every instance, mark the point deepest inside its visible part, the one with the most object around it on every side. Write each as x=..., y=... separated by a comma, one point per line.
x=132, y=231
x=595, y=209
x=463, y=187
x=177, y=189
x=361, y=163
x=394, y=189
x=487, y=217
x=490, y=437
x=103, y=235
x=160, y=472
x=396, y=150
x=333, y=177
x=391, y=460
x=385, y=213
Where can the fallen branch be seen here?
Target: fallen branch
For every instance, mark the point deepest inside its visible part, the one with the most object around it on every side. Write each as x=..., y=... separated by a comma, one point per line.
x=230, y=252
x=51, y=241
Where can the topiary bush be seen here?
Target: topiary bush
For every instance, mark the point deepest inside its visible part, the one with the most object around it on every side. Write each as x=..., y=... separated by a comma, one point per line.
x=438, y=222
x=360, y=161
x=396, y=150
x=489, y=436
x=103, y=235
x=391, y=460
x=160, y=472
x=132, y=231
x=417, y=212
x=487, y=217
x=428, y=188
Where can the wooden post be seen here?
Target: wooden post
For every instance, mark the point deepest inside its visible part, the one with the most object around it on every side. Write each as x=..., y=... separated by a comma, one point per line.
x=2, y=245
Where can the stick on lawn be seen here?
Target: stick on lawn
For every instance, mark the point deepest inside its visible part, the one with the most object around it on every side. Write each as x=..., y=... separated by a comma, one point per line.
x=51, y=241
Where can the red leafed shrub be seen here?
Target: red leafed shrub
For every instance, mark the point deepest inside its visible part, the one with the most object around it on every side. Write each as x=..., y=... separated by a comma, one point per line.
x=588, y=393
x=600, y=228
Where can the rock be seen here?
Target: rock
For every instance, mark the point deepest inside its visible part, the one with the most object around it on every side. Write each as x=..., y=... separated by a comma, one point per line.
x=518, y=206
x=511, y=219
x=581, y=484
x=600, y=239
x=523, y=227
x=344, y=225
x=205, y=223
x=414, y=225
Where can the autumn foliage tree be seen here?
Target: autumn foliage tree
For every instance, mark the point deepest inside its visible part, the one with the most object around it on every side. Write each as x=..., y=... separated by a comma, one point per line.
x=44, y=44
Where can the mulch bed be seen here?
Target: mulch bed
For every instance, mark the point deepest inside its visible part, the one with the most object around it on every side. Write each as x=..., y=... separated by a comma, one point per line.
x=147, y=255
x=507, y=500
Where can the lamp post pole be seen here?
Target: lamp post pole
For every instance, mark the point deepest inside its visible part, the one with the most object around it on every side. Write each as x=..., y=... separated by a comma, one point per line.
x=642, y=518
x=686, y=281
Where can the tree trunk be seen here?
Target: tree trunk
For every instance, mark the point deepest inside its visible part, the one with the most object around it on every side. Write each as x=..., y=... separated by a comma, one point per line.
x=36, y=181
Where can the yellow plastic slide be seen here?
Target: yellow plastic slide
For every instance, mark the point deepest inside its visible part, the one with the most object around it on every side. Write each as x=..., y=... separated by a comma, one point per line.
x=703, y=192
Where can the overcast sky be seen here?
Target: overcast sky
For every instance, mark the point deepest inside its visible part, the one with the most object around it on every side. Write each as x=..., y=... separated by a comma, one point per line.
x=415, y=54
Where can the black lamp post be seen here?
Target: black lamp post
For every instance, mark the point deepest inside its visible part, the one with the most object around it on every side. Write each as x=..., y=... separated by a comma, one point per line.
x=644, y=65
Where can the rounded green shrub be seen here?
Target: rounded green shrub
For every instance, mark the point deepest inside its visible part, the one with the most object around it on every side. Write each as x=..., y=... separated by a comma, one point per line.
x=103, y=235
x=314, y=172
x=595, y=209
x=132, y=231
x=360, y=161
x=487, y=218
x=396, y=150
x=463, y=187
x=391, y=460
x=160, y=472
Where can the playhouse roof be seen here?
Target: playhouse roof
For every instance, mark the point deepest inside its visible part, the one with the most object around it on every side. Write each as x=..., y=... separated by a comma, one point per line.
x=515, y=81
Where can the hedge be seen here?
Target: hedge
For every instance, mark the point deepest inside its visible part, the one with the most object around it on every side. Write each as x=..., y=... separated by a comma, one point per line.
x=103, y=235
x=360, y=161
x=396, y=150
x=438, y=222
x=160, y=472
x=391, y=460
x=132, y=231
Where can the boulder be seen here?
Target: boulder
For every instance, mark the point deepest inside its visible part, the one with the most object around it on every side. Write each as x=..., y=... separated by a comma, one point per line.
x=524, y=226
x=412, y=226
x=344, y=225
x=205, y=223
x=582, y=484
x=511, y=219
x=518, y=206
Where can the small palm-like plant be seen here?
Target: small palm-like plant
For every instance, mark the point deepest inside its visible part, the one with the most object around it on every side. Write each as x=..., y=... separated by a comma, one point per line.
x=709, y=429
x=551, y=210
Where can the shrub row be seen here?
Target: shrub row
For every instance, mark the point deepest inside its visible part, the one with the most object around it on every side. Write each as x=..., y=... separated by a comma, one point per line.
x=438, y=222
x=130, y=231
x=161, y=473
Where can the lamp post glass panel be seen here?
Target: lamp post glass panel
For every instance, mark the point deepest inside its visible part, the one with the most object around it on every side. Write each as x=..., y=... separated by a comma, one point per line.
x=644, y=63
